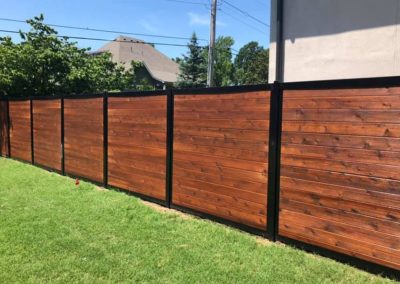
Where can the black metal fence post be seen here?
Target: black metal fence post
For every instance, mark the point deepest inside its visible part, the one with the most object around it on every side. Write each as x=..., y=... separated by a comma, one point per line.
x=8, y=129
x=62, y=137
x=274, y=154
x=32, y=136
x=170, y=147
x=105, y=140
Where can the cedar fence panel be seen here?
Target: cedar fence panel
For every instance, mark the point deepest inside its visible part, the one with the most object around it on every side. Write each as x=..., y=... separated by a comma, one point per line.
x=47, y=133
x=328, y=180
x=137, y=130
x=3, y=129
x=83, y=138
x=340, y=171
x=20, y=130
x=220, y=155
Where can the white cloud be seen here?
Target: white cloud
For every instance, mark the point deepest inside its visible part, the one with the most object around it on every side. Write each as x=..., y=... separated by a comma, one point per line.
x=202, y=20
x=148, y=26
x=196, y=19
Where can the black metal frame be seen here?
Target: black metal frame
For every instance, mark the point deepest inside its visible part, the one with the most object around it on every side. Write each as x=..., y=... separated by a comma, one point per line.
x=170, y=148
x=32, y=135
x=274, y=150
x=222, y=90
x=62, y=137
x=8, y=129
x=105, y=140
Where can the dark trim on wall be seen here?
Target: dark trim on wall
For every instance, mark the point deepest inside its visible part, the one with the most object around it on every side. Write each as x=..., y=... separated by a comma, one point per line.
x=32, y=134
x=344, y=258
x=280, y=42
x=358, y=83
x=170, y=148
x=274, y=157
x=105, y=141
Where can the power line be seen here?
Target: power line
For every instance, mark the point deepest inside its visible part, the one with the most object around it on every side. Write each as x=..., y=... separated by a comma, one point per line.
x=245, y=13
x=243, y=22
x=102, y=39
x=187, y=2
x=103, y=30
x=115, y=40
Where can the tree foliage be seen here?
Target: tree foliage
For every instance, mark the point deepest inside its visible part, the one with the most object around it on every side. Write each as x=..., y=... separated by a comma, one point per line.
x=223, y=66
x=45, y=64
x=251, y=64
x=193, y=66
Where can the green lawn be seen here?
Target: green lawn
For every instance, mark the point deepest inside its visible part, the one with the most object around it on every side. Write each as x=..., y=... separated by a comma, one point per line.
x=53, y=231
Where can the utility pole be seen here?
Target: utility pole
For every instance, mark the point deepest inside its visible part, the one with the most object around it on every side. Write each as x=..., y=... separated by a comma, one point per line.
x=211, y=52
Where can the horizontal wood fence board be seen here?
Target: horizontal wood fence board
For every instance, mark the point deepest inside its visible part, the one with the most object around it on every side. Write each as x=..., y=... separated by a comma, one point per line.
x=47, y=133
x=221, y=155
x=20, y=130
x=83, y=138
x=340, y=171
x=137, y=144
x=3, y=129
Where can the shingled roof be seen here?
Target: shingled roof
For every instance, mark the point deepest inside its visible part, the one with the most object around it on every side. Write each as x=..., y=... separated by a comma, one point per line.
x=125, y=49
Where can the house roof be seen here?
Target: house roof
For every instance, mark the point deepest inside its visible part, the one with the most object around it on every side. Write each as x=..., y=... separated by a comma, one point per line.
x=125, y=49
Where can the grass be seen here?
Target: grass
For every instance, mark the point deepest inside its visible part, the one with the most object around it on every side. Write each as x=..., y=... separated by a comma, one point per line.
x=54, y=231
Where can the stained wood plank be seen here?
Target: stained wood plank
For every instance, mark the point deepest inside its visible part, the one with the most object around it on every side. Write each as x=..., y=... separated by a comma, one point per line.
x=137, y=144
x=220, y=155
x=47, y=133
x=20, y=130
x=340, y=171
x=83, y=131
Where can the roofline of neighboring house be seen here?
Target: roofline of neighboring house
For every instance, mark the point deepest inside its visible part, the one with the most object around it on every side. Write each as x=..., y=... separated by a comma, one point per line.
x=145, y=65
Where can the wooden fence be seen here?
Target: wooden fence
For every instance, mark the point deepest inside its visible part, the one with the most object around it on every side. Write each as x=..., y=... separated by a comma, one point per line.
x=313, y=164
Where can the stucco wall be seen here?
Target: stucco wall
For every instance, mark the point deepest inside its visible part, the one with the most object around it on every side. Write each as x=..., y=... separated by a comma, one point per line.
x=335, y=39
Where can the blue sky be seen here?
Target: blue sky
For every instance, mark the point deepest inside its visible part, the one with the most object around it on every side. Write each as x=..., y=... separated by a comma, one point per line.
x=163, y=17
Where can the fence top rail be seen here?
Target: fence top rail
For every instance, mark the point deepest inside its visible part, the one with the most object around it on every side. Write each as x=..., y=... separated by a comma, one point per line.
x=222, y=90
x=137, y=93
x=359, y=83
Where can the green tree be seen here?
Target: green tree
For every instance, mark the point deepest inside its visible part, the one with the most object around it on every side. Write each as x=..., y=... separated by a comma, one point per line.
x=251, y=65
x=193, y=66
x=44, y=63
x=223, y=66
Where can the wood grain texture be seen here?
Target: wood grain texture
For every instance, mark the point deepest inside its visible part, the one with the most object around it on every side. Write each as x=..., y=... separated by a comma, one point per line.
x=83, y=138
x=137, y=130
x=20, y=130
x=220, y=155
x=340, y=171
x=3, y=129
x=47, y=133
